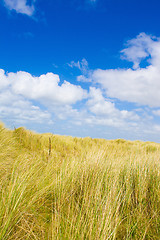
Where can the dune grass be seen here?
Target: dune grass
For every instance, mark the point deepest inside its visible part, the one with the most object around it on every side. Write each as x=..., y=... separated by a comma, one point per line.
x=56, y=187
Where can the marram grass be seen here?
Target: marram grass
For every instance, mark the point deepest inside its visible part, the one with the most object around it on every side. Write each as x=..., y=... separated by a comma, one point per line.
x=54, y=187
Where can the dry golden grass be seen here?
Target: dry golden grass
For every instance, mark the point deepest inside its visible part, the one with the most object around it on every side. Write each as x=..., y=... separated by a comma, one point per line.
x=56, y=187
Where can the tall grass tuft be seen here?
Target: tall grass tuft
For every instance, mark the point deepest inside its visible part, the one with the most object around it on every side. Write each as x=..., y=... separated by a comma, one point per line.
x=56, y=187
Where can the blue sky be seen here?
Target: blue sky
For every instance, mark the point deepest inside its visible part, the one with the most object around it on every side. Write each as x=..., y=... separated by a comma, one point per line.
x=81, y=67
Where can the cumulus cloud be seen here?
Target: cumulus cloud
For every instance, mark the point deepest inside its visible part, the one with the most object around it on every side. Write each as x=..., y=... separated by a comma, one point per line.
x=45, y=98
x=106, y=112
x=19, y=91
x=137, y=85
x=138, y=49
x=20, y=6
x=45, y=88
x=3, y=79
x=25, y=98
x=17, y=109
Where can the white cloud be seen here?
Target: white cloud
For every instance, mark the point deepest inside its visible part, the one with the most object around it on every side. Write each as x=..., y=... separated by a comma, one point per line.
x=19, y=110
x=3, y=79
x=27, y=98
x=156, y=112
x=18, y=91
x=45, y=88
x=83, y=78
x=81, y=65
x=138, y=48
x=20, y=6
x=138, y=85
x=106, y=112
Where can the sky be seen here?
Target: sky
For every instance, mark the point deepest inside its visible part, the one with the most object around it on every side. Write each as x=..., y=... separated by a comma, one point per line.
x=81, y=67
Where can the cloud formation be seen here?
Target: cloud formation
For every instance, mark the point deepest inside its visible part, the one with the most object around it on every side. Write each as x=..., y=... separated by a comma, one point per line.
x=81, y=65
x=137, y=85
x=23, y=95
x=138, y=49
x=104, y=107
x=20, y=6
x=26, y=98
x=106, y=112
x=18, y=110
x=45, y=88
x=123, y=99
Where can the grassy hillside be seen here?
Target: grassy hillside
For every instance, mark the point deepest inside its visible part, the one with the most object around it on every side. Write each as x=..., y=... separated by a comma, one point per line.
x=55, y=187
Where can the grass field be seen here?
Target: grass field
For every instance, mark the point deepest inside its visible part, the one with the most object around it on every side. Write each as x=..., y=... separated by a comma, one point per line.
x=56, y=187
